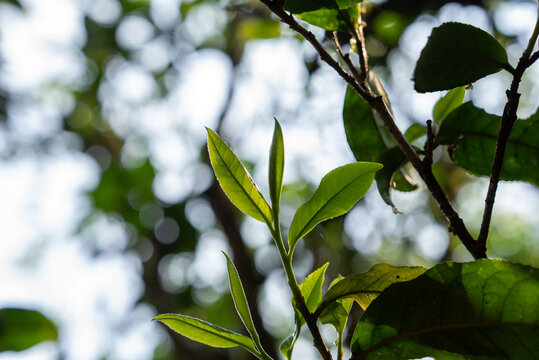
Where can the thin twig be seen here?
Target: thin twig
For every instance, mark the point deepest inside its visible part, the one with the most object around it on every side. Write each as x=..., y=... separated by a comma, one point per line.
x=346, y=58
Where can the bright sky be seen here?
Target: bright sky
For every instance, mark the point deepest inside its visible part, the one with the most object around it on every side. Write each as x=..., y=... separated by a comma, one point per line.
x=44, y=265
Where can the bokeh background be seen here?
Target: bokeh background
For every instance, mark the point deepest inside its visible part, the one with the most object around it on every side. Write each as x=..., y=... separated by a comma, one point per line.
x=109, y=212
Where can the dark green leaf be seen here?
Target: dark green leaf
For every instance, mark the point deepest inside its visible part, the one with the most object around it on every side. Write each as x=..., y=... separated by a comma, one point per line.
x=337, y=193
x=471, y=134
x=301, y=6
x=332, y=19
x=485, y=309
x=240, y=301
x=363, y=133
x=206, y=333
x=276, y=168
x=21, y=329
x=457, y=55
x=365, y=287
x=448, y=103
x=236, y=181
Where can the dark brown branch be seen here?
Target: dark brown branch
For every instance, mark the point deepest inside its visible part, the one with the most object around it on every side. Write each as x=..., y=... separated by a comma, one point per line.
x=456, y=225
x=532, y=59
x=506, y=125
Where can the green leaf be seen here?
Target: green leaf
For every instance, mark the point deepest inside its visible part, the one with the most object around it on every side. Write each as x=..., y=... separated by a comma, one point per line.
x=236, y=181
x=471, y=134
x=365, y=287
x=276, y=168
x=311, y=287
x=363, y=133
x=337, y=193
x=240, y=301
x=336, y=313
x=206, y=333
x=415, y=132
x=457, y=55
x=485, y=309
x=448, y=103
x=301, y=6
x=333, y=20
x=21, y=329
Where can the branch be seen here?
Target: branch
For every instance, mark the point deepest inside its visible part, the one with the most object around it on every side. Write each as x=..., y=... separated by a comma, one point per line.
x=508, y=120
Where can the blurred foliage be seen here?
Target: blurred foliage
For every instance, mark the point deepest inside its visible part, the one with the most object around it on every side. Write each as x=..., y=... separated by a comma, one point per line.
x=127, y=192
x=21, y=329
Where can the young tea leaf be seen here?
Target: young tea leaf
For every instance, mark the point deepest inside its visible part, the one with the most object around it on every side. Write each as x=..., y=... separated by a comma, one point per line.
x=311, y=287
x=21, y=329
x=485, y=309
x=337, y=193
x=457, y=55
x=471, y=134
x=276, y=168
x=449, y=102
x=240, y=301
x=206, y=333
x=236, y=181
x=365, y=287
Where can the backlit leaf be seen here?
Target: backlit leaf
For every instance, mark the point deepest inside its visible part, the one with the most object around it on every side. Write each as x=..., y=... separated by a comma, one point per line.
x=276, y=168
x=485, y=309
x=365, y=287
x=337, y=193
x=457, y=55
x=206, y=333
x=448, y=103
x=311, y=287
x=236, y=181
x=240, y=301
